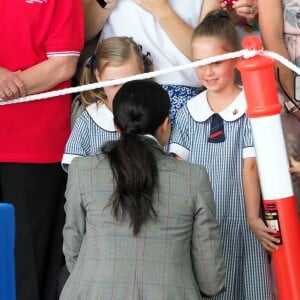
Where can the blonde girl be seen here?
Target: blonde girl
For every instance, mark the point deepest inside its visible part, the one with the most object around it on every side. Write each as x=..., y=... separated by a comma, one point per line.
x=114, y=58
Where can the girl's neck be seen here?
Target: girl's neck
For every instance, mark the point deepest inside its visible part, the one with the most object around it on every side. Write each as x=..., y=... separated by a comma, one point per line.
x=218, y=101
x=108, y=105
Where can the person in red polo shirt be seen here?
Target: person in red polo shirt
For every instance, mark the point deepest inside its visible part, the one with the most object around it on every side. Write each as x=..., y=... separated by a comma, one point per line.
x=40, y=44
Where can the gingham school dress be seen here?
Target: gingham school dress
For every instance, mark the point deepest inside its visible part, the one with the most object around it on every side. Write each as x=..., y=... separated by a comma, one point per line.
x=248, y=275
x=93, y=128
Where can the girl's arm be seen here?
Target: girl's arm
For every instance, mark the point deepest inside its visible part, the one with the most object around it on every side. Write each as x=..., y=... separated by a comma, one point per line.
x=176, y=28
x=253, y=201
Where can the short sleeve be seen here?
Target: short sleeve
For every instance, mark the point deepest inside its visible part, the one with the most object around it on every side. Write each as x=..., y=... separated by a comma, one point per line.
x=179, y=140
x=248, y=143
x=66, y=31
x=78, y=143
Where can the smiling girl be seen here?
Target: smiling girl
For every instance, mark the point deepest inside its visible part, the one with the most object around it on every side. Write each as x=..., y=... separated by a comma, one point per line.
x=213, y=130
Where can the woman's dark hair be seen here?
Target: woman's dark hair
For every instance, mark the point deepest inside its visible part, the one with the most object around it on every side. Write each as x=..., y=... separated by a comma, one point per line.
x=139, y=108
x=217, y=24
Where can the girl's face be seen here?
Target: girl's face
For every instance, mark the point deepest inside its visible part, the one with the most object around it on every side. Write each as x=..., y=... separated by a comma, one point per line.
x=216, y=77
x=128, y=68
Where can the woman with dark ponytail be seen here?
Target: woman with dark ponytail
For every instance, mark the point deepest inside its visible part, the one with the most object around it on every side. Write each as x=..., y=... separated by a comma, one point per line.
x=140, y=224
x=131, y=158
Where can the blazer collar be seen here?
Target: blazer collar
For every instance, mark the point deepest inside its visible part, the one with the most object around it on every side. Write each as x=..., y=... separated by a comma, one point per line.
x=153, y=142
x=200, y=110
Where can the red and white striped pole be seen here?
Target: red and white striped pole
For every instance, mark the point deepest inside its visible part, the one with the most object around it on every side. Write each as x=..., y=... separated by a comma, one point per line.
x=280, y=209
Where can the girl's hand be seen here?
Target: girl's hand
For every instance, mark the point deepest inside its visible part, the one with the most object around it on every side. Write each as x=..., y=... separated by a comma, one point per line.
x=157, y=8
x=263, y=233
x=295, y=166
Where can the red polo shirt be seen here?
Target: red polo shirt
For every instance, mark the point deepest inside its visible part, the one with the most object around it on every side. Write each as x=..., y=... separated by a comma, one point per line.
x=31, y=31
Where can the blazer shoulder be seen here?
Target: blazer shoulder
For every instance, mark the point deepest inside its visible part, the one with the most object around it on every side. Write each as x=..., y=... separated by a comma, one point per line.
x=89, y=162
x=190, y=168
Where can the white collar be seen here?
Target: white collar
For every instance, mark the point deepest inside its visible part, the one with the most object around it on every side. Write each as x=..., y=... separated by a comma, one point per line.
x=200, y=110
x=102, y=116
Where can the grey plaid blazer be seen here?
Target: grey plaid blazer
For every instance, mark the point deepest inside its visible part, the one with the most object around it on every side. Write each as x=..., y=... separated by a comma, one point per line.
x=177, y=256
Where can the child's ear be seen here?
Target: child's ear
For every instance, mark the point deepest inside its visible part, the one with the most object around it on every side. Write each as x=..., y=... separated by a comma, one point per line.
x=97, y=75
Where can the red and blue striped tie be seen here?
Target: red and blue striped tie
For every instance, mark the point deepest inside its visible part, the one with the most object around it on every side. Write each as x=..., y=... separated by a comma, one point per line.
x=216, y=130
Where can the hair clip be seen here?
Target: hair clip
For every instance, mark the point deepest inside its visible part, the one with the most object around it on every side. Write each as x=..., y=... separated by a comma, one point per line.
x=90, y=62
x=147, y=59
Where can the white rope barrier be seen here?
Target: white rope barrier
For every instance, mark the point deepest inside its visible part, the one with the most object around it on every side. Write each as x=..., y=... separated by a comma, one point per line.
x=246, y=53
x=282, y=60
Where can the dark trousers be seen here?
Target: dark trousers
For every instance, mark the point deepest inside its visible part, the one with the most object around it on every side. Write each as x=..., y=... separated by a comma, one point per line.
x=37, y=193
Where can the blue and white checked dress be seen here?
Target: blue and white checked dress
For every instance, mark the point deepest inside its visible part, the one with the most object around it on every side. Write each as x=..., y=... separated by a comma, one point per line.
x=93, y=128
x=248, y=275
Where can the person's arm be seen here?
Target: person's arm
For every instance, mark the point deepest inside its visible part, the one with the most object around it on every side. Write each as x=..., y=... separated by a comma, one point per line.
x=38, y=78
x=206, y=245
x=208, y=6
x=62, y=43
x=62, y=46
x=253, y=205
x=11, y=85
x=176, y=28
x=95, y=17
x=270, y=19
x=74, y=228
x=49, y=73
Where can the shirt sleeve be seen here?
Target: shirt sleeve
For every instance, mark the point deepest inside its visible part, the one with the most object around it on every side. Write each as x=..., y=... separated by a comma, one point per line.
x=179, y=140
x=66, y=31
x=74, y=228
x=248, y=143
x=206, y=246
x=78, y=143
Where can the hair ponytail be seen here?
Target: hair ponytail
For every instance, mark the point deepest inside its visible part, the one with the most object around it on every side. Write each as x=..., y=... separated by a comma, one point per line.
x=88, y=76
x=139, y=108
x=135, y=173
x=217, y=24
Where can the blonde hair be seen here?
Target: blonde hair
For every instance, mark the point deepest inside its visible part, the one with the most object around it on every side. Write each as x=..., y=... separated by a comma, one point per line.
x=113, y=51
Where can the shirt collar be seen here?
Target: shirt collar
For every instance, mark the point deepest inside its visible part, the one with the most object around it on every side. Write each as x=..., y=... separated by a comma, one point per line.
x=102, y=116
x=200, y=110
